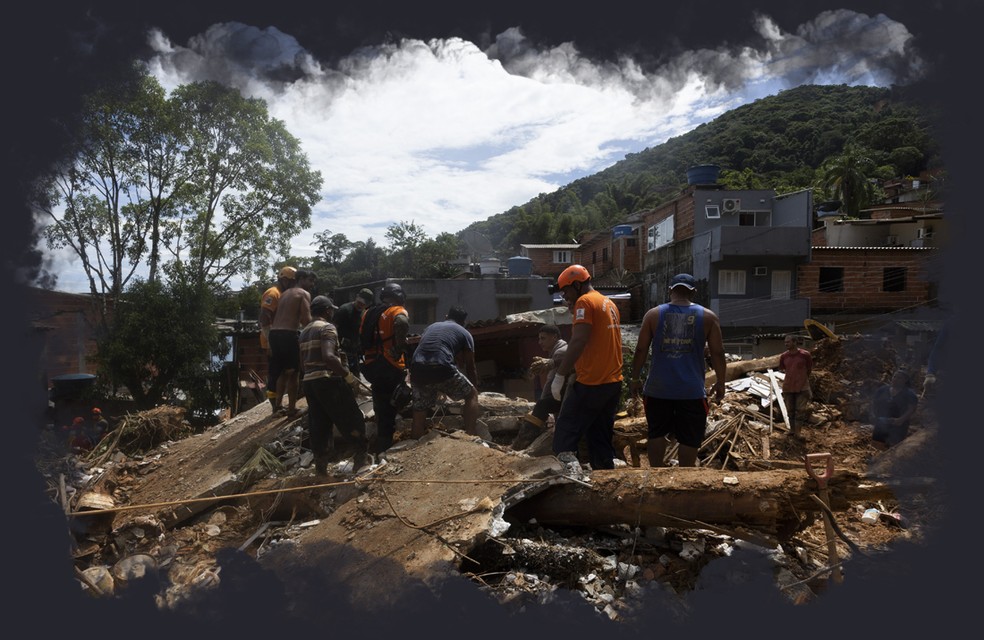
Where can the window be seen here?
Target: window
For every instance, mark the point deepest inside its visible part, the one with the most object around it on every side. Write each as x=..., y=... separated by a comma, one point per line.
x=660, y=234
x=731, y=282
x=630, y=242
x=746, y=219
x=893, y=279
x=712, y=211
x=831, y=279
x=594, y=257
x=562, y=257
x=781, y=284
x=604, y=254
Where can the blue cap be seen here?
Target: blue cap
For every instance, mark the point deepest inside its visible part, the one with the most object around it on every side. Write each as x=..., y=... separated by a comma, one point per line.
x=683, y=280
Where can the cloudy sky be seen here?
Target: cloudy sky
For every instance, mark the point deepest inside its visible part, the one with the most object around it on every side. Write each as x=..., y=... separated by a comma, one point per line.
x=54, y=54
x=446, y=130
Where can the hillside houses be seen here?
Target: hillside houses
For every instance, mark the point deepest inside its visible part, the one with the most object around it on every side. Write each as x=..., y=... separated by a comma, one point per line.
x=768, y=261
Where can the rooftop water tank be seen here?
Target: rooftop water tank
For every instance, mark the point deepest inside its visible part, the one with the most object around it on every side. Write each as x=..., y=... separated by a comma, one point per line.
x=489, y=266
x=703, y=174
x=520, y=266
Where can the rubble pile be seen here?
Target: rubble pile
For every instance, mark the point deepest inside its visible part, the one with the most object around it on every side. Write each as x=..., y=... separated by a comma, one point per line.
x=247, y=484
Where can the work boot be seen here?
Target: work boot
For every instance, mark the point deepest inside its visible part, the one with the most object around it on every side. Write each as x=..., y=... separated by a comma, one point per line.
x=528, y=432
x=359, y=460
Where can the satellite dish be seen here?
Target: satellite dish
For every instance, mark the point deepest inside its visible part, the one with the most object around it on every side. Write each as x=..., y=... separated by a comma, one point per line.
x=478, y=245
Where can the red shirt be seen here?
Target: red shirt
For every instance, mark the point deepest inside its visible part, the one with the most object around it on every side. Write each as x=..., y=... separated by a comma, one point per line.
x=797, y=367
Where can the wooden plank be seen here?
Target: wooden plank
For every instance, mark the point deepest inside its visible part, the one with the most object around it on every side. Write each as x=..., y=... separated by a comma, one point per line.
x=782, y=403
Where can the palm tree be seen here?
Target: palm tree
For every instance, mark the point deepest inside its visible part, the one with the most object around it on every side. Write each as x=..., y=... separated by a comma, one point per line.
x=846, y=177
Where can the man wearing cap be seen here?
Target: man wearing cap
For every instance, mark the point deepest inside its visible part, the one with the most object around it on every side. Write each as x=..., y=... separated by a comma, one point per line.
x=330, y=389
x=293, y=313
x=268, y=309
x=347, y=319
x=674, y=396
x=595, y=353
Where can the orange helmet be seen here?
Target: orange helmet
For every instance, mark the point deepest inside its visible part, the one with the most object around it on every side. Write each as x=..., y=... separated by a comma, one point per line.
x=572, y=274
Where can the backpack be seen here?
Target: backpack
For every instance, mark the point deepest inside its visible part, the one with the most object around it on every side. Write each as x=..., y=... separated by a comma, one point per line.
x=369, y=338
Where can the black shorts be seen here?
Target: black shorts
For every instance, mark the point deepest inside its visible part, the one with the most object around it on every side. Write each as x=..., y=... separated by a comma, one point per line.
x=285, y=351
x=685, y=420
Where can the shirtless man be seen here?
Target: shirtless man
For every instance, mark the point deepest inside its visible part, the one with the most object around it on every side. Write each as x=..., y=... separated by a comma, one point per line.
x=293, y=314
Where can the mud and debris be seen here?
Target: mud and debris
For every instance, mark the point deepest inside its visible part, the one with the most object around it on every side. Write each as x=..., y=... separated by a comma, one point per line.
x=153, y=498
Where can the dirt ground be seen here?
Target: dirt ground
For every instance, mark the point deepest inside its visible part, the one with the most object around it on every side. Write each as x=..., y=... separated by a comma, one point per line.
x=278, y=513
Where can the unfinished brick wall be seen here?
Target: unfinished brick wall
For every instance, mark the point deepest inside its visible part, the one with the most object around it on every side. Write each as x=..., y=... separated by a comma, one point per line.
x=543, y=264
x=863, y=279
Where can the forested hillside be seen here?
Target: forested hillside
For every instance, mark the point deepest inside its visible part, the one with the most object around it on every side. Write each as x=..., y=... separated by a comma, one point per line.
x=786, y=142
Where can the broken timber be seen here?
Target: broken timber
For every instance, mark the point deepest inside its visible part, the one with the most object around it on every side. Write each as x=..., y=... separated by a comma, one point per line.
x=773, y=501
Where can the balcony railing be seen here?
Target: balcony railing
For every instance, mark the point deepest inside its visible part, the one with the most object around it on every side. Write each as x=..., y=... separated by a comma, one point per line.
x=727, y=242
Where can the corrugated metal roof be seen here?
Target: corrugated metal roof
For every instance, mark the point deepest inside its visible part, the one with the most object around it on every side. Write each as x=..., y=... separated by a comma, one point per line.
x=919, y=325
x=886, y=248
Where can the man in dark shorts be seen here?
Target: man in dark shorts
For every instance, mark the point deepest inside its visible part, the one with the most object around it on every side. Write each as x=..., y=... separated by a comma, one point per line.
x=674, y=395
x=286, y=278
x=293, y=312
x=435, y=369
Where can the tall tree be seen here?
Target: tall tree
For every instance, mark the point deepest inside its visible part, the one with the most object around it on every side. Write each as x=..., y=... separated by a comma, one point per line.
x=163, y=338
x=251, y=191
x=332, y=247
x=404, y=240
x=846, y=178
x=202, y=185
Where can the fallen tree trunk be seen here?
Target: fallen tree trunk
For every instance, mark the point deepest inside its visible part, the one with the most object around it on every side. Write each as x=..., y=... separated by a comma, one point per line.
x=773, y=501
x=739, y=368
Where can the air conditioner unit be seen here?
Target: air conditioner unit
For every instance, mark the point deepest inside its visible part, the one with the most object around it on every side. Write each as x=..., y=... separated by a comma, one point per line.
x=761, y=271
x=731, y=205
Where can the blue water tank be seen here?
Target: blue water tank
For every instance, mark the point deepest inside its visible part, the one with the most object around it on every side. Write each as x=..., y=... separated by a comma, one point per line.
x=519, y=266
x=703, y=174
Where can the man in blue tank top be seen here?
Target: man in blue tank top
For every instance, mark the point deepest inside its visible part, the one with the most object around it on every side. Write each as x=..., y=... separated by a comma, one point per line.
x=674, y=395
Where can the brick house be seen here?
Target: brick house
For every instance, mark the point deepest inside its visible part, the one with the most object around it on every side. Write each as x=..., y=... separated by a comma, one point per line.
x=743, y=246
x=548, y=260
x=880, y=268
x=66, y=324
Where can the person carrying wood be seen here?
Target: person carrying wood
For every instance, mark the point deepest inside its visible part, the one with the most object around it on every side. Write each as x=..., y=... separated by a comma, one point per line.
x=534, y=423
x=674, y=395
x=796, y=364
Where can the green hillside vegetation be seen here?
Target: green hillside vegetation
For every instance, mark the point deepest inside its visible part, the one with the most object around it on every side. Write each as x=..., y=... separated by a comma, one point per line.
x=800, y=138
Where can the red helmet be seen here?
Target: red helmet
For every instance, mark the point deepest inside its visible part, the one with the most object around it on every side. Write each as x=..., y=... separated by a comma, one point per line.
x=572, y=274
